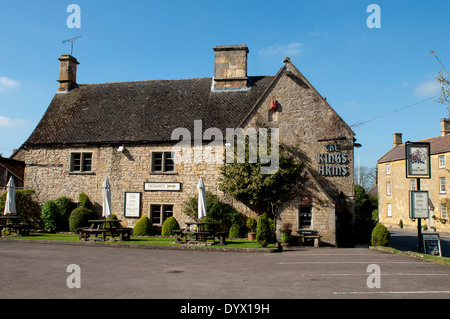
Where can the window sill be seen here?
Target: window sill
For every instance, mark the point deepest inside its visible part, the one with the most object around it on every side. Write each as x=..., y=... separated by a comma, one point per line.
x=81, y=173
x=163, y=173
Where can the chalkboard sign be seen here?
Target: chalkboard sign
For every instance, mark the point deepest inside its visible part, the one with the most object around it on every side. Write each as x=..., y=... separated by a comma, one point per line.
x=432, y=244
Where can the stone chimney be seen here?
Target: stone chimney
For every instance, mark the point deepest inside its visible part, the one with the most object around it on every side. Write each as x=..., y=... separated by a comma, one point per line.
x=398, y=139
x=67, y=73
x=445, y=127
x=230, y=67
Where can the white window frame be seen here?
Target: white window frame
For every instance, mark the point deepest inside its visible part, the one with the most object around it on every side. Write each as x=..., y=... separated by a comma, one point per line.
x=388, y=188
x=443, y=210
x=389, y=210
x=442, y=185
x=441, y=160
x=388, y=169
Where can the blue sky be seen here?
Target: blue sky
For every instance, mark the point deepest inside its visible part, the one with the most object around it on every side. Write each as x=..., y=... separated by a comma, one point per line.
x=364, y=73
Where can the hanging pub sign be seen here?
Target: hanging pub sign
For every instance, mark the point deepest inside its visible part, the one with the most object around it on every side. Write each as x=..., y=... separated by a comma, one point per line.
x=333, y=162
x=417, y=160
x=418, y=204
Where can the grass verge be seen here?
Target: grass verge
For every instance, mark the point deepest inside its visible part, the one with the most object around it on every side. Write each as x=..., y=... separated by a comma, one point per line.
x=435, y=259
x=167, y=241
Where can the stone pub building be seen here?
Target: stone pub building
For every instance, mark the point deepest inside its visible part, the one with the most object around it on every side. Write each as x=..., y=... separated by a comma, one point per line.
x=123, y=131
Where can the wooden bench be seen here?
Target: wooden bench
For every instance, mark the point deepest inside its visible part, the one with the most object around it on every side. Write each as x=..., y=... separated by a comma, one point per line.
x=222, y=236
x=87, y=231
x=309, y=234
x=22, y=229
x=124, y=233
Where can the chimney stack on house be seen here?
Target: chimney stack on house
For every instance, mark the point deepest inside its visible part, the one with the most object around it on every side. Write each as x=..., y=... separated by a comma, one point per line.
x=230, y=67
x=445, y=127
x=398, y=139
x=67, y=73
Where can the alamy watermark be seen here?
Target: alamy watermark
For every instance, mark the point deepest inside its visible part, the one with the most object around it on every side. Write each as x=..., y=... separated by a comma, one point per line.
x=250, y=145
x=374, y=19
x=74, y=279
x=374, y=279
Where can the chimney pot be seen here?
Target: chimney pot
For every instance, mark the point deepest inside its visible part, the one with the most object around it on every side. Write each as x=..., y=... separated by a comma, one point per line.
x=230, y=67
x=398, y=139
x=67, y=73
x=445, y=127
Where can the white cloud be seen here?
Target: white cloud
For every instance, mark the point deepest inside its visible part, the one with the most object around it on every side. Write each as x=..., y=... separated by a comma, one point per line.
x=291, y=49
x=7, y=84
x=6, y=122
x=427, y=89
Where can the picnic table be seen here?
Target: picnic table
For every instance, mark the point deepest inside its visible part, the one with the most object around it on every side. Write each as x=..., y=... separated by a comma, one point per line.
x=13, y=223
x=202, y=232
x=105, y=227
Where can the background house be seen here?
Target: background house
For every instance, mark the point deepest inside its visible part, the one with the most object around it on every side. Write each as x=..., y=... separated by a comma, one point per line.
x=394, y=187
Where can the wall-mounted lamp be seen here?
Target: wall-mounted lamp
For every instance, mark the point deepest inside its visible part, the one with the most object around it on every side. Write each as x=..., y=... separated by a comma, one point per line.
x=120, y=149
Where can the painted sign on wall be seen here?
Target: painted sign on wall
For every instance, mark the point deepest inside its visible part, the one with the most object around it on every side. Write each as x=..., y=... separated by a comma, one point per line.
x=333, y=162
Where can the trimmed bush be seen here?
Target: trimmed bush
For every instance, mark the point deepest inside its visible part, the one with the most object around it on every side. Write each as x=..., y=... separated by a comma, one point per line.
x=264, y=230
x=84, y=201
x=251, y=224
x=169, y=225
x=80, y=217
x=65, y=207
x=143, y=227
x=50, y=216
x=381, y=236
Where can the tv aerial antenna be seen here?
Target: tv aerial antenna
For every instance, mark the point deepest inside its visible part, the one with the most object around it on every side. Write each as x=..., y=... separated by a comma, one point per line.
x=71, y=43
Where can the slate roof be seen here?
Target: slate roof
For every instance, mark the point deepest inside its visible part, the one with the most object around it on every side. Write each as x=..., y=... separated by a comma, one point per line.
x=438, y=144
x=142, y=112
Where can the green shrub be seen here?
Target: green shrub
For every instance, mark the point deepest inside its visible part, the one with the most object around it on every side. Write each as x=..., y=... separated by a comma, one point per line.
x=80, y=217
x=251, y=224
x=264, y=234
x=26, y=207
x=65, y=206
x=169, y=225
x=381, y=236
x=235, y=231
x=50, y=216
x=143, y=227
x=84, y=201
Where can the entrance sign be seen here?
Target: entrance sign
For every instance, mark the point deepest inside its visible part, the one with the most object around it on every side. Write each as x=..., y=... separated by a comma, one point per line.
x=418, y=204
x=417, y=160
x=153, y=186
x=132, y=205
x=432, y=244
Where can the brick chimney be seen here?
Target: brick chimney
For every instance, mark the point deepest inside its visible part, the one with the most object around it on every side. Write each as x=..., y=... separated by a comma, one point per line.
x=398, y=139
x=67, y=73
x=445, y=127
x=230, y=67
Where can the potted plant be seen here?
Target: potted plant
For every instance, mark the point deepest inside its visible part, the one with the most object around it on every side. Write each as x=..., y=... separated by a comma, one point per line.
x=285, y=232
x=251, y=225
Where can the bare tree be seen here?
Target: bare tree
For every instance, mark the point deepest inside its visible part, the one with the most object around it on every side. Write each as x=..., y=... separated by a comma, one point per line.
x=365, y=177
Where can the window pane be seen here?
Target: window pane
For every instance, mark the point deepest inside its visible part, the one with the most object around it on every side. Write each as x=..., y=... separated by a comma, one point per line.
x=305, y=217
x=167, y=211
x=156, y=214
x=157, y=162
x=168, y=162
x=389, y=212
x=76, y=162
x=442, y=186
x=87, y=162
x=444, y=211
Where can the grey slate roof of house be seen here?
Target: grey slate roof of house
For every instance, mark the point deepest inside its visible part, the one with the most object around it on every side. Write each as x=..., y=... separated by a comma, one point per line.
x=142, y=112
x=438, y=144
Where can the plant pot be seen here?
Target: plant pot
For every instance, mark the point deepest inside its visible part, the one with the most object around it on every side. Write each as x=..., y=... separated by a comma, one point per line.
x=285, y=236
x=251, y=236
